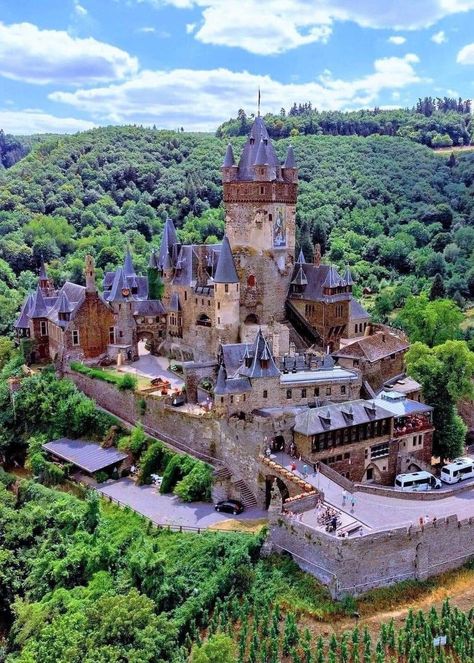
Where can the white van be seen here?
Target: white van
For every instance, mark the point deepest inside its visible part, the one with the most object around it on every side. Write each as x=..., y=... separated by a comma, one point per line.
x=417, y=481
x=459, y=469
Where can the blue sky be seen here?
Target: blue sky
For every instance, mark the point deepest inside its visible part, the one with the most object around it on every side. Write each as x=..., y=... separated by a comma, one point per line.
x=68, y=65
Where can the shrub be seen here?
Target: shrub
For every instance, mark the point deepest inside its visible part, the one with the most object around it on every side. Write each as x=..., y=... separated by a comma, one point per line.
x=137, y=441
x=155, y=459
x=176, y=469
x=196, y=485
x=6, y=479
x=100, y=477
x=128, y=382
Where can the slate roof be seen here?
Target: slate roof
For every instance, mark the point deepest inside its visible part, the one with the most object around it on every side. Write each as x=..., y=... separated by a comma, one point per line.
x=225, y=270
x=251, y=148
x=373, y=347
x=300, y=278
x=300, y=260
x=128, y=268
x=168, y=241
x=259, y=353
x=318, y=276
x=336, y=416
x=357, y=311
x=290, y=158
x=229, y=160
x=152, y=307
x=23, y=319
x=399, y=405
x=233, y=385
x=88, y=456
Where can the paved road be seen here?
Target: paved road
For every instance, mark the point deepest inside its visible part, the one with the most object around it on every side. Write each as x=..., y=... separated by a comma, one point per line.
x=150, y=366
x=168, y=509
x=380, y=512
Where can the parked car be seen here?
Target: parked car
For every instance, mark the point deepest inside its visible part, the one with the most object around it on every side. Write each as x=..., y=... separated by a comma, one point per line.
x=230, y=506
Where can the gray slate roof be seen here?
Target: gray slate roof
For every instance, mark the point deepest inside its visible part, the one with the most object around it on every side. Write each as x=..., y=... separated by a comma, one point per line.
x=260, y=353
x=38, y=307
x=225, y=270
x=248, y=157
x=152, y=307
x=333, y=417
x=229, y=160
x=318, y=277
x=290, y=158
x=88, y=456
x=357, y=311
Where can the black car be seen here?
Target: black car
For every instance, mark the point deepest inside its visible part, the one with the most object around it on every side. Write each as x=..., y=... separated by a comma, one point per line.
x=229, y=506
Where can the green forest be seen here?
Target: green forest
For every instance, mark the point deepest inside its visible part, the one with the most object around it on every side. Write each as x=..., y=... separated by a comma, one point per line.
x=394, y=210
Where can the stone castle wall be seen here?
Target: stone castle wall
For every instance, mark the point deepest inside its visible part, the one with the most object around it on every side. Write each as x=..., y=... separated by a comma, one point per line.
x=355, y=565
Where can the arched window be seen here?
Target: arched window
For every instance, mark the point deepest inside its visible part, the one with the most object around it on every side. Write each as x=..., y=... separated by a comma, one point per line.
x=203, y=320
x=251, y=281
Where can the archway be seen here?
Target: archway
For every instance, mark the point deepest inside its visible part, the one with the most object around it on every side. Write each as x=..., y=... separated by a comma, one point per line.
x=251, y=319
x=284, y=492
x=204, y=320
x=278, y=443
x=145, y=343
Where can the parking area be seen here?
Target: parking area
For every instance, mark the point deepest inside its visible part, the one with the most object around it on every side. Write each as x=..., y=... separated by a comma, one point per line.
x=168, y=509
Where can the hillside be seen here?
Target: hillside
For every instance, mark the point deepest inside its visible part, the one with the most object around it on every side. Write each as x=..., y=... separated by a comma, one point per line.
x=397, y=212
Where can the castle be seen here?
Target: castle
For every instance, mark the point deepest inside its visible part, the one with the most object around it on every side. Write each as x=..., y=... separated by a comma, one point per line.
x=212, y=295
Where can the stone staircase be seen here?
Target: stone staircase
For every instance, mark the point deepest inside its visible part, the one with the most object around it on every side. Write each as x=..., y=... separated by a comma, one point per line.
x=246, y=495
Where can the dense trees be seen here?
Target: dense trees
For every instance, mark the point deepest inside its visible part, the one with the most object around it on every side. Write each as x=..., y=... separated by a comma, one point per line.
x=446, y=373
x=430, y=322
x=434, y=122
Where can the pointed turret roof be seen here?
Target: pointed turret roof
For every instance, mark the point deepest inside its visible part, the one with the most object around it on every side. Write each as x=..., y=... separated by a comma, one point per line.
x=23, y=319
x=153, y=261
x=332, y=279
x=225, y=270
x=38, y=306
x=290, y=158
x=64, y=305
x=348, y=276
x=42, y=270
x=128, y=268
x=168, y=241
x=220, y=387
x=248, y=157
x=229, y=160
x=260, y=353
x=261, y=158
x=300, y=278
x=301, y=259
x=118, y=285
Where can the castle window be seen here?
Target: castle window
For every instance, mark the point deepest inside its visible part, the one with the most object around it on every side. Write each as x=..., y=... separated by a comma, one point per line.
x=303, y=393
x=208, y=302
x=121, y=334
x=75, y=337
x=343, y=389
x=226, y=287
x=43, y=328
x=112, y=335
x=218, y=306
x=218, y=321
x=262, y=190
x=288, y=394
x=251, y=281
x=328, y=391
x=355, y=362
x=185, y=296
x=270, y=217
x=231, y=399
x=222, y=399
x=265, y=393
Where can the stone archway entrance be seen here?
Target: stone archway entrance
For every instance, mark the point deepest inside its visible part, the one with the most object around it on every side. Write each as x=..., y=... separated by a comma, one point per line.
x=251, y=319
x=146, y=343
x=284, y=492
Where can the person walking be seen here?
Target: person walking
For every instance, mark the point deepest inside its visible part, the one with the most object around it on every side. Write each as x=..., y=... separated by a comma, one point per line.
x=353, y=503
x=344, y=496
x=305, y=471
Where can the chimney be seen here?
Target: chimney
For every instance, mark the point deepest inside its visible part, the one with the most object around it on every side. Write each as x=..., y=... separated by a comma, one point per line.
x=317, y=255
x=90, y=274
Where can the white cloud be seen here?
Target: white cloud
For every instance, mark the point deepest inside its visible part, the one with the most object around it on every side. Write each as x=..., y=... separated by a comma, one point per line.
x=147, y=29
x=190, y=27
x=267, y=27
x=439, y=37
x=398, y=40
x=31, y=121
x=45, y=56
x=79, y=9
x=200, y=99
x=466, y=55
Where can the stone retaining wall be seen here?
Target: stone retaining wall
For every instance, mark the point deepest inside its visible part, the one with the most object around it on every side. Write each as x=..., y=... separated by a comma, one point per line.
x=355, y=565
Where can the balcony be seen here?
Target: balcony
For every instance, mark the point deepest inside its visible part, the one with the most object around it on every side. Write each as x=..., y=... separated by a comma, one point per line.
x=412, y=424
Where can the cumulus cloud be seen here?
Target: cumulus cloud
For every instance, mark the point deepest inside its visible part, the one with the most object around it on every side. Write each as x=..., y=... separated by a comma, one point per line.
x=439, y=37
x=147, y=29
x=46, y=56
x=268, y=27
x=79, y=9
x=397, y=40
x=201, y=99
x=31, y=121
x=466, y=55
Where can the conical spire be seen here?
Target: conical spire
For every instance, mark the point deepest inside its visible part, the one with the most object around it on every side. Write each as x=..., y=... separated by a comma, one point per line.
x=248, y=158
x=119, y=284
x=262, y=157
x=168, y=241
x=128, y=268
x=38, y=306
x=229, y=157
x=348, y=276
x=332, y=279
x=42, y=270
x=225, y=270
x=263, y=364
x=220, y=387
x=300, y=278
x=290, y=158
x=301, y=260
x=24, y=319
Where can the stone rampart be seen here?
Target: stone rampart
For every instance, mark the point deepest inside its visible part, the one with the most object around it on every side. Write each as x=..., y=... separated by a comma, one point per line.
x=355, y=565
